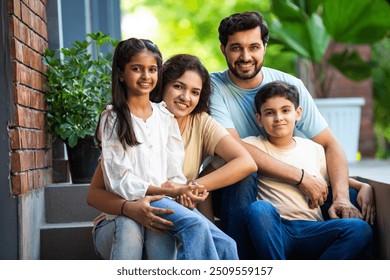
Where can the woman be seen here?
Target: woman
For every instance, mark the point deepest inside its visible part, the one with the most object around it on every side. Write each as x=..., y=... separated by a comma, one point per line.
x=186, y=91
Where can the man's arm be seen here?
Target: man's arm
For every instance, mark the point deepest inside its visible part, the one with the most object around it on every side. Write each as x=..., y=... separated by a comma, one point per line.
x=314, y=188
x=337, y=166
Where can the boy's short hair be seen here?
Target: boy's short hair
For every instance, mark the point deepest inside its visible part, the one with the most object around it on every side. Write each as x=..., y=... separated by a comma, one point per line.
x=276, y=89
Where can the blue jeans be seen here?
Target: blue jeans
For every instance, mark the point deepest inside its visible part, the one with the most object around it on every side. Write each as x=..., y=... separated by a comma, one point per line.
x=230, y=205
x=124, y=239
x=197, y=238
x=277, y=238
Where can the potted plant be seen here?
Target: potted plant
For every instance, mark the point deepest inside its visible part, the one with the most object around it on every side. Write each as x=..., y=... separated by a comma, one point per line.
x=308, y=28
x=79, y=86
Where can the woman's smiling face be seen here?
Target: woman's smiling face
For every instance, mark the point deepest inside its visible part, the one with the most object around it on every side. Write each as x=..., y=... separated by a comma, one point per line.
x=182, y=95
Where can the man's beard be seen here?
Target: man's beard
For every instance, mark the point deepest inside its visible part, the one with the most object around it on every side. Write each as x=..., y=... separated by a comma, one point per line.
x=244, y=76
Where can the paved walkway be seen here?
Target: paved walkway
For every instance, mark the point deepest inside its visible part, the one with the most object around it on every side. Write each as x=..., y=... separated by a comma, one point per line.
x=375, y=170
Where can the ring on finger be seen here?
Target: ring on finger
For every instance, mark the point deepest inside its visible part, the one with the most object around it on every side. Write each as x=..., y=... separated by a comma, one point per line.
x=151, y=224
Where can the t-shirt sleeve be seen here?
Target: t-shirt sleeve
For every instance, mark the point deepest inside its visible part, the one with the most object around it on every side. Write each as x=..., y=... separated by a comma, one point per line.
x=212, y=132
x=312, y=122
x=218, y=107
x=256, y=141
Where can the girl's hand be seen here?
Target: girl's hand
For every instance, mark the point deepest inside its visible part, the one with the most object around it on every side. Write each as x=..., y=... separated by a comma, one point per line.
x=185, y=201
x=191, y=203
x=366, y=201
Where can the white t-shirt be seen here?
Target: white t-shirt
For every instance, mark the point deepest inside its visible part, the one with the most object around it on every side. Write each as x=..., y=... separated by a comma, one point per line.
x=291, y=203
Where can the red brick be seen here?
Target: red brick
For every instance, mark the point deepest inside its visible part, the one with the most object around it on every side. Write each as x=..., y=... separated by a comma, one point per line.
x=28, y=118
x=28, y=139
x=22, y=161
x=29, y=98
x=14, y=8
x=27, y=181
x=26, y=15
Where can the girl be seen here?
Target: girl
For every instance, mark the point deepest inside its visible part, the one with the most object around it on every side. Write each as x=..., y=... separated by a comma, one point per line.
x=142, y=149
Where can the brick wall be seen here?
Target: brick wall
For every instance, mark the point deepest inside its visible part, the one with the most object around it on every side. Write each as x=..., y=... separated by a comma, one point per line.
x=29, y=148
x=343, y=87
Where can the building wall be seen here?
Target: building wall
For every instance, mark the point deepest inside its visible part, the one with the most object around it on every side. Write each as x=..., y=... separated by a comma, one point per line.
x=29, y=145
x=343, y=87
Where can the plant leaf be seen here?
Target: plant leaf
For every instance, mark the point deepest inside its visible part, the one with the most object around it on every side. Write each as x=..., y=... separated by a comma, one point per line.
x=350, y=64
x=357, y=22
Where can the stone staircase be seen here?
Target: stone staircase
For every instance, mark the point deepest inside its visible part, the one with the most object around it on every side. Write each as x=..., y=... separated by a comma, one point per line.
x=66, y=235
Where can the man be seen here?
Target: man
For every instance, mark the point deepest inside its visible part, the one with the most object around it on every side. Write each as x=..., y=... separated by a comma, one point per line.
x=243, y=38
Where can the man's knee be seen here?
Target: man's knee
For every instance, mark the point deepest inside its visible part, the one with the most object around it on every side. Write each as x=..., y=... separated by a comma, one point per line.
x=260, y=210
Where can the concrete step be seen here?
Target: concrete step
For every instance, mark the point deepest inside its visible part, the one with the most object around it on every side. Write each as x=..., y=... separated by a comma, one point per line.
x=67, y=233
x=67, y=241
x=67, y=203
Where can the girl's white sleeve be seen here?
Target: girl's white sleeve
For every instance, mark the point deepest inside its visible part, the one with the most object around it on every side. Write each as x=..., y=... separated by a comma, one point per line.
x=175, y=156
x=115, y=163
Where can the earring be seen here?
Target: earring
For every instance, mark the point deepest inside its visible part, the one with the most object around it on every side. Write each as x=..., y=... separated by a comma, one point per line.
x=121, y=80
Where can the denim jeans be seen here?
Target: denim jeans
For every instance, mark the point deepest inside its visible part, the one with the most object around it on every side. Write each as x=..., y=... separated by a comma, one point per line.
x=230, y=205
x=325, y=207
x=197, y=238
x=277, y=238
x=124, y=239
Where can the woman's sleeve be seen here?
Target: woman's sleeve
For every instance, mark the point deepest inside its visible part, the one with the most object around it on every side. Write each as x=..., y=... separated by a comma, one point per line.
x=118, y=176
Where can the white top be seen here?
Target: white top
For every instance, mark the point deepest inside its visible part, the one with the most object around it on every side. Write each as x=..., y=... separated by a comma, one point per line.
x=129, y=172
x=291, y=203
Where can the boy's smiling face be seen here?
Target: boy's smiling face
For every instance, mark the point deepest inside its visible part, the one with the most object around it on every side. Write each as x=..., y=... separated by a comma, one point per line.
x=278, y=117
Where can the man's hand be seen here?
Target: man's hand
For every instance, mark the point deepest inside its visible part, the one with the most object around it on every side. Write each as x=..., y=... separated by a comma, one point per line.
x=366, y=201
x=343, y=208
x=316, y=189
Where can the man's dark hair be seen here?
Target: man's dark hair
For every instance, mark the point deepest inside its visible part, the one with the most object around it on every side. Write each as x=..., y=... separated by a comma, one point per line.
x=241, y=22
x=276, y=89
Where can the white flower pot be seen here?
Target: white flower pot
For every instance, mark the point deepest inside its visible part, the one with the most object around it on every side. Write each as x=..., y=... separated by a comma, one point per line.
x=343, y=117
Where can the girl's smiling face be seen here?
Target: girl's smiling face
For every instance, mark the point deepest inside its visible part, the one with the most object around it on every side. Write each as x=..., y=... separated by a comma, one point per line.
x=182, y=95
x=141, y=73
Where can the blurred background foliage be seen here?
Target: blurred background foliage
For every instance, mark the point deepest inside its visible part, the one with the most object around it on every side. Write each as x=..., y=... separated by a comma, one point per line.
x=192, y=27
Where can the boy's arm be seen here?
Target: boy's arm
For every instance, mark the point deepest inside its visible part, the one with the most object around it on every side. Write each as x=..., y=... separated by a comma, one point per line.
x=314, y=188
x=338, y=175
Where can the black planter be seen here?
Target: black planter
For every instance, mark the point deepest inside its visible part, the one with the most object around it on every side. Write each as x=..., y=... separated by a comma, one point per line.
x=83, y=159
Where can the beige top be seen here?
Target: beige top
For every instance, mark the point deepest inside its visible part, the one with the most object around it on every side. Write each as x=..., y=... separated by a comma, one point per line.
x=200, y=138
x=290, y=202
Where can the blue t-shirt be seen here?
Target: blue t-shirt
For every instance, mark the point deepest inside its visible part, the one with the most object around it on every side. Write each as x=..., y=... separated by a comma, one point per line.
x=234, y=107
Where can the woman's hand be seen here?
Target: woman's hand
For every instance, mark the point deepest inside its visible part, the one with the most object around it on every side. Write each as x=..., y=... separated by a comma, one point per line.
x=196, y=193
x=142, y=212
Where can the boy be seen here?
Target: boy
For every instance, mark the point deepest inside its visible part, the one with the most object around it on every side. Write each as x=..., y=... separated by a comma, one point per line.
x=283, y=223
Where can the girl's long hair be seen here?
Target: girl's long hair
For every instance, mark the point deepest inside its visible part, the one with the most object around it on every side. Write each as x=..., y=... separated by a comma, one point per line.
x=123, y=53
